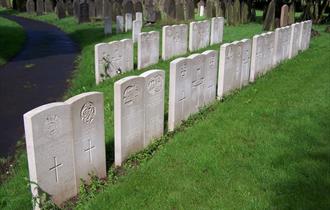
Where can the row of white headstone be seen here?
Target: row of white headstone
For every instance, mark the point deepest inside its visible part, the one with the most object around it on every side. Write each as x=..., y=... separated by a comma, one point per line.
x=65, y=140
x=65, y=144
x=117, y=57
x=193, y=84
x=128, y=24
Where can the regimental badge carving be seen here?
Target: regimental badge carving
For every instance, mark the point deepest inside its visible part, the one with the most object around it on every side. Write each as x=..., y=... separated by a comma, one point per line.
x=154, y=85
x=87, y=113
x=130, y=94
x=52, y=126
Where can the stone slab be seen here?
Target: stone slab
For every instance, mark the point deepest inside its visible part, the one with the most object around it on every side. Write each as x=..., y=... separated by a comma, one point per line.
x=174, y=41
x=199, y=35
x=217, y=26
x=211, y=71
x=148, y=49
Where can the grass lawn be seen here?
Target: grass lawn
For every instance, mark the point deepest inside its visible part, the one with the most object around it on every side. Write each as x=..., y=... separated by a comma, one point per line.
x=12, y=38
x=263, y=147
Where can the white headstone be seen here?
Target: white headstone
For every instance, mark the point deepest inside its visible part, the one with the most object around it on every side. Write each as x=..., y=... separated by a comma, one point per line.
x=211, y=70
x=199, y=35
x=137, y=27
x=113, y=58
x=119, y=24
x=48, y=133
x=129, y=117
x=139, y=16
x=278, y=46
x=180, y=92
x=174, y=41
x=306, y=27
x=154, y=104
x=107, y=25
x=128, y=21
x=246, y=61
x=197, y=68
x=269, y=45
x=217, y=25
x=148, y=49
x=294, y=39
x=87, y=111
x=201, y=10
x=286, y=42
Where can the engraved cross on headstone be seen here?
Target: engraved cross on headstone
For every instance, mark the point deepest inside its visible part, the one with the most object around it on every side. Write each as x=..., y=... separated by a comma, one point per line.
x=55, y=168
x=89, y=150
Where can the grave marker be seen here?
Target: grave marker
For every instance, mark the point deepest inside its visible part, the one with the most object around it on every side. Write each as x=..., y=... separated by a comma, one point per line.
x=217, y=24
x=175, y=41
x=148, y=49
x=199, y=35
x=137, y=27
x=211, y=70
x=128, y=22
x=119, y=24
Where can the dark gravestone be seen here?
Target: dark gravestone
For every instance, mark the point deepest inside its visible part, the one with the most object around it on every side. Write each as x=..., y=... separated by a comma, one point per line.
x=76, y=8
x=116, y=10
x=237, y=12
x=179, y=13
x=170, y=9
x=99, y=8
x=69, y=8
x=138, y=7
x=230, y=13
x=91, y=4
x=269, y=22
x=209, y=9
x=190, y=10
x=49, y=6
x=284, y=20
x=30, y=6
x=40, y=7
x=291, y=13
x=128, y=7
x=83, y=12
x=107, y=8
x=244, y=12
x=60, y=9
x=218, y=9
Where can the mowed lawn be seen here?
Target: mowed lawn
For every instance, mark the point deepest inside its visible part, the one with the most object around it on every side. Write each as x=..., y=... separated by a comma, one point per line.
x=12, y=37
x=264, y=147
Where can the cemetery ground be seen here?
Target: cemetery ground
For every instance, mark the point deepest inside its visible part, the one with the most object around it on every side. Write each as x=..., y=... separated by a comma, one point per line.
x=12, y=39
x=263, y=147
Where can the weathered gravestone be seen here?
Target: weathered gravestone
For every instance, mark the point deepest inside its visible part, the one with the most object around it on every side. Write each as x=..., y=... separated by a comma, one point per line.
x=179, y=13
x=174, y=41
x=137, y=27
x=116, y=10
x=128, y=22
x=190, y=10
x=139, y=112
x=107, y=25
x=246, y=61
x=30, y=6
x=148, y=49
x=179, y=92
x=294, y=39
x=291, y=13
x=257, y=57
x=87, y=112
x=138, y=7
x=230, y=68
x=199, y=35
x=201, y=8
x=269, y=46
x=119, y=24
x=91, y=10
x=219, y=12
x=244, y=12
x=237, y=12
x=40, y=7
x=154, y=86
x=217, y=25
x=69, y=8
x=139, y=16
x=170, y=9
x=305, y=34
x=49, y=6
x=284, y=20
x=269, y=22
x=113, y=58
x=128, y=7
x=99, y=8
x=60, y=9
x=48, y=133
x=278, y=46
x=83, y=12
x=211, y=70
x=210, y=9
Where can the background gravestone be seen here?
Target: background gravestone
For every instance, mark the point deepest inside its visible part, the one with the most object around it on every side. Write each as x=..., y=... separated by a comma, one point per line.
x=99, y=9
x=128, y=22
x=40, y=7
x=48, y=134
x=175, y=41
x=190, y=10
x=217, y=25
x=269, y=22
x=107, y=8
x=291, y=13
x=83, y=12
x=119, y=24
x=107, y=25
x=49, y=6
x=179, y=92
x=129, y=117
x=139, y=16
x=211, y=70
x=284, y=20
x=237, y=13
x=69, y=8
x=116, y=10
x=137, y=27
x=154, y=81
x=244, y=12
x=209, y=9
x=30, y=6
x=170, y=9
x=201, y=8
x=179, y=13
x=87, y=111
x=199, y=35
x=60, y=9
x=148, y=49
x=91, y=6
x=76, y=8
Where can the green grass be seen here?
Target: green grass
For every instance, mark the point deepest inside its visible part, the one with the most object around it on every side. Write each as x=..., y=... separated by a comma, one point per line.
x=12, y=38
x=235, y=154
